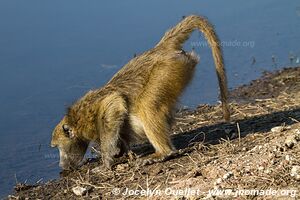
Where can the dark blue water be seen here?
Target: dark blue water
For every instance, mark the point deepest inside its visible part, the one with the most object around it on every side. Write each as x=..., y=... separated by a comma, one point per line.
x=52, y=52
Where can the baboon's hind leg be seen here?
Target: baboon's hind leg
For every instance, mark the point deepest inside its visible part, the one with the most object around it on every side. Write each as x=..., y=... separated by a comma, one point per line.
x=157, y=132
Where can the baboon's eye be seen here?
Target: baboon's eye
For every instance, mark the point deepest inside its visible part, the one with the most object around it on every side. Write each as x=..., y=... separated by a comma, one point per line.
x=68, y=131
x=66, y=128
x=182, y=52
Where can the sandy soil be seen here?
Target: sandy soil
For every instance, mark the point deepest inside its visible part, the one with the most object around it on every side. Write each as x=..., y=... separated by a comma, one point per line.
x=256, y=156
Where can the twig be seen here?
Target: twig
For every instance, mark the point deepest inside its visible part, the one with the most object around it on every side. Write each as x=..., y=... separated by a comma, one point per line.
x=294, y=120
x=177, y=165
x=16, y=178
x=89, y=184
x=68, y=189
x=39, y=181
x=191, y=140
x=95, y=186
x=245, y=115
x=168, y=176
x=191, y=159
x=181, y=130
x=239, y=132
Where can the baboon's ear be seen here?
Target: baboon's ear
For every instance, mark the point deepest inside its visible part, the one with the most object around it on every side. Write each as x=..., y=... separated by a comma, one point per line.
x=67, y=130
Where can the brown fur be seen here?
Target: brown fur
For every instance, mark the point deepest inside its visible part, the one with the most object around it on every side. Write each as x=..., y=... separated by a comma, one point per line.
x=138, y=101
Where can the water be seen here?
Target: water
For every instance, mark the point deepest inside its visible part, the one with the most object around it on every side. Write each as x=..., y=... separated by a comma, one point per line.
x=52, y=52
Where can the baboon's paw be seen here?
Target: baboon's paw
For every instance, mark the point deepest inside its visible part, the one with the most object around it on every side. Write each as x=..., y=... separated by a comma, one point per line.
x=149, y=161
x=154, y=158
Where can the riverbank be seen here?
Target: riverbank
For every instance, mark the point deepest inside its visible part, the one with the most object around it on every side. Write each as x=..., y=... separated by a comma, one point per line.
x=258, y=152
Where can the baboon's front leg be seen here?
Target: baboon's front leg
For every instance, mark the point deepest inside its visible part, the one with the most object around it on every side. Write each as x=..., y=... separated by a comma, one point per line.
x=111, y=123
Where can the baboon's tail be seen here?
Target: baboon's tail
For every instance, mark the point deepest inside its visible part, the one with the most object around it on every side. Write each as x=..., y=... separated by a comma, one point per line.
x=175, y=38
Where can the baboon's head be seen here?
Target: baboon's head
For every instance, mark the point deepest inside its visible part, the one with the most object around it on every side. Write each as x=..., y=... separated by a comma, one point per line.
x=71, y=148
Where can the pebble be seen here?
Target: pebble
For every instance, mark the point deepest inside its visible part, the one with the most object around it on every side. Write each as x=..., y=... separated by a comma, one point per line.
x=247, y=169
x=260, y=168
x=227, y=175
x=295, y=172
x=288, y=157
x=218, y=181
x=79, y=191
x=290, y=141
x=122, y=167
x=194, y=173
x=297, y=135
x=96, y=170
x=278, y=129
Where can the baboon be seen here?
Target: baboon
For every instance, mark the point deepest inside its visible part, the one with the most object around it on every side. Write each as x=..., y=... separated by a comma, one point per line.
x=138, y=101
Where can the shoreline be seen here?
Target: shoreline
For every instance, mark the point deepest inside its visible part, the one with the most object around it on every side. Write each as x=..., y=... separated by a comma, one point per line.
x=259, y=150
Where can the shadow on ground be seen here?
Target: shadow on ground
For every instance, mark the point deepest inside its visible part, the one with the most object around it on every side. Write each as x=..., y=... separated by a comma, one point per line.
x=212, y=134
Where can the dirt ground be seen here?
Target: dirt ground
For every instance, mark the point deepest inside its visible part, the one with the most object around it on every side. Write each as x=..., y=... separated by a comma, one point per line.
x=256, y=156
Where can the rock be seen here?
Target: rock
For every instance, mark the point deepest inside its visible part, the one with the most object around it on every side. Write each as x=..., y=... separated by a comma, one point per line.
x=260, y=168
x=253, y=149
x=297, y=135
x=218, y=181
x=227, y=175
x=193, y=174
x=277, y=129
x=288, y=157
x=79, y=191
x=96, y=170
x=290, y=141
x=122, y=167
x=23, y=186
x=295, y=172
